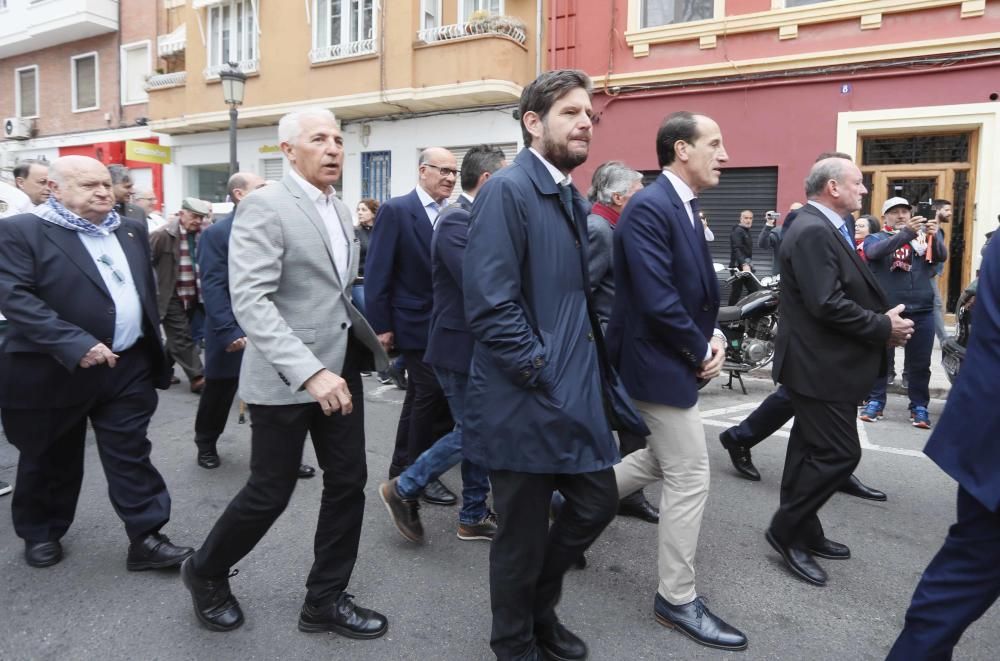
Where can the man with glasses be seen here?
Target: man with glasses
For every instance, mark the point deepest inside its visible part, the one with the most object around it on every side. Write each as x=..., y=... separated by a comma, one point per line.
x=146, y=200
x=122, y=184
x=82, y=345
x=398, y=302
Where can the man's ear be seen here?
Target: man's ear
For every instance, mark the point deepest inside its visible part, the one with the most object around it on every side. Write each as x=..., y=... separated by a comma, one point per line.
x=533, y=122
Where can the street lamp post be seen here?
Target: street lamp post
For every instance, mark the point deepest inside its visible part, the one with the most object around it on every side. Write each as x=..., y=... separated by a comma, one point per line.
x=233, y=85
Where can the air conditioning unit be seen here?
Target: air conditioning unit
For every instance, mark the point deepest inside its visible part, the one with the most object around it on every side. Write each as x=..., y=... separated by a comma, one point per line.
x=17, y=128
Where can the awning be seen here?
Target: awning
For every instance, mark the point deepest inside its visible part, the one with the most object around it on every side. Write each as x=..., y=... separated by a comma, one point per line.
x=175, y=42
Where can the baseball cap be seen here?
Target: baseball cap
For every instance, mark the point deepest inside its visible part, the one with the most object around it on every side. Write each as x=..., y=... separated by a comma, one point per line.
x=893, y=202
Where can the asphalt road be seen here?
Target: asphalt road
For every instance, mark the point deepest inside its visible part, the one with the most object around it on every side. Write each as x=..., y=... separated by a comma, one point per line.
x=437, y=595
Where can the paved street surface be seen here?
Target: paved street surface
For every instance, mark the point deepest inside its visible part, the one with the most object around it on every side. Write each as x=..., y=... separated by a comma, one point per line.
x=437, y=595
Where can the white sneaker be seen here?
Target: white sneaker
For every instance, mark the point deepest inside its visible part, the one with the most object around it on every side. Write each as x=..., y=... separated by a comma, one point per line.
x=5, y=488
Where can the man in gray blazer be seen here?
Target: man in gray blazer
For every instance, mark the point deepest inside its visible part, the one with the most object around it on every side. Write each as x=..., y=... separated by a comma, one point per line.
x=292, y=259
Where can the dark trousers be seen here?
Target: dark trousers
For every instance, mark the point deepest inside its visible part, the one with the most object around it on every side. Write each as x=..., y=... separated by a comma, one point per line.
x=425, y=416
x=181, y=347
x=766, y=419
x=958, y=586
x=213, y=411
x=51, y=441
x=823, y=451
x=277, y=440
x=916, y=362
x=528, y=558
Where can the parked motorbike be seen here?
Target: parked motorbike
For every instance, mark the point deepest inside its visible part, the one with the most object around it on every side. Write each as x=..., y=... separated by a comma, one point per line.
x=750, y=326
x=953, y=348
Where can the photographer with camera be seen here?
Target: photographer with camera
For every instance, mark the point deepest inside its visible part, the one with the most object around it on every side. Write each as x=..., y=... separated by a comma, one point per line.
x=903, y=257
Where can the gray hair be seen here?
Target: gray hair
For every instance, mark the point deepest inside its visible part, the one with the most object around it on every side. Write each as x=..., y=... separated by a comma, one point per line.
x=822, y=172
x=119, y=173
x=610, y=178
x=290, y=125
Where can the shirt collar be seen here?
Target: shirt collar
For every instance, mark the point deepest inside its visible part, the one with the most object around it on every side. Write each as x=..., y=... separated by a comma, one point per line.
x=314, y=194
x=680, y=186
x=830, y=214
x=468, y=198
x=426, y=200
x=557, y=175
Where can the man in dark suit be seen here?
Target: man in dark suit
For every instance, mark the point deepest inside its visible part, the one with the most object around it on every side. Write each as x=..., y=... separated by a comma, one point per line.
x=398, y=303
x=662, y=338
x=741, y=253
x=122, y=186
x=963, y=579
x=534, y=413
x=830, y=347
x=449, y=352
x=82, y=344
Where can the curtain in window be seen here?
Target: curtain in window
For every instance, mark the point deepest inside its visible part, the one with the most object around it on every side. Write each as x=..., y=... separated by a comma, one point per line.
x=28, y=85
x=86, y=82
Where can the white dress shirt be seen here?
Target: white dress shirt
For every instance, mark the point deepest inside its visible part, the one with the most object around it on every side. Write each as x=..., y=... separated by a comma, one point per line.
x=323, y=201
x=684, y=192
x=114, y=269
x=557, y=175
x=431, y=207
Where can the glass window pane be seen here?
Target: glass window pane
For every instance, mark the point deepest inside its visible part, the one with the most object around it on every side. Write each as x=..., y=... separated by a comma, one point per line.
x=214, y=36
x=322, y=23
x=226, y=53
x=802, y=3
x=368, y=18
x=86, y=82
x=251, y=35
x=336, y=7
x=136, y=64
x=28, y=85
x=665, y=12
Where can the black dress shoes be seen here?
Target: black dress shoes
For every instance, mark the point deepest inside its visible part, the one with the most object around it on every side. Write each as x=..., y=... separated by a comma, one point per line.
x=42, y=554
x=436, y=493
x=740, y=456
x=305, y=472
x=636, y=505
x=214, y=604
x=559, y=643
x=208, y=459
x=798, y=560
x=695, y=621
x=852, y=486
x=344, y=617
x=831, y=550
x=154, y=551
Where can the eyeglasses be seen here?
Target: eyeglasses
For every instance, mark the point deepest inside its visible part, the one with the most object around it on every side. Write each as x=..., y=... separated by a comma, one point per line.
x=115, y=273
x=445, y=172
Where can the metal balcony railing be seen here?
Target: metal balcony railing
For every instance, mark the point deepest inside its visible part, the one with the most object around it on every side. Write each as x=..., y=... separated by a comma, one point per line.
x=339, y=51
x=161, y=81
x=495, y=26
x=246, y=66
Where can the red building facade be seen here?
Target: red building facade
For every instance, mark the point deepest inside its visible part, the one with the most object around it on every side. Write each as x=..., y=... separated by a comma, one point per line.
x=908, y=88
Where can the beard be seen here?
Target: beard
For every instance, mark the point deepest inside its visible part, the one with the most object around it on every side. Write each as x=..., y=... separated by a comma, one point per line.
x=559, y=155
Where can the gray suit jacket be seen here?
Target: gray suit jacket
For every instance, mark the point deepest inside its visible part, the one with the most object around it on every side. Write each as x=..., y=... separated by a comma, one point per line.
x=288, y=296
x=600, y=264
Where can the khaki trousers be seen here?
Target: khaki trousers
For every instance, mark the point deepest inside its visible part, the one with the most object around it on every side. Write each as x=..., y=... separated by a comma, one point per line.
x=675, y=452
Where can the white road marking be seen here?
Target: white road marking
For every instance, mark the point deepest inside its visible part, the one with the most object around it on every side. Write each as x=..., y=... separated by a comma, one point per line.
x=724, y=418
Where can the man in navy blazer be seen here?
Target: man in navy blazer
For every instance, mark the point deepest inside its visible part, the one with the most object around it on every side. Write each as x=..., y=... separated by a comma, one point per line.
x=449, y=352
x=398, y=303
x=963, y=579
x=82, y=344
x=662, y=338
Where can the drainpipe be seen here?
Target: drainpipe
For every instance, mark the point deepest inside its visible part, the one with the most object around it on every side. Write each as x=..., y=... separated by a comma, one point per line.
x=538, y=37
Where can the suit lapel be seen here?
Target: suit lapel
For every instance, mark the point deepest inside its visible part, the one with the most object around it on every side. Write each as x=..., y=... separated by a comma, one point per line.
x=862, y=268
x=138, y=264
x=699, y=248
x=308, y=208
x=421, y=224
x=67, y=241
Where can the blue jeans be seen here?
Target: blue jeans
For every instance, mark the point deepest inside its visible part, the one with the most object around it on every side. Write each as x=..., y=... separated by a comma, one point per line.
x=917, y=364
x=447, y=452
x=358, y=297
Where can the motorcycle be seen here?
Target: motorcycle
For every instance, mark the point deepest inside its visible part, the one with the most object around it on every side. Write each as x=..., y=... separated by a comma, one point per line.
x=750, y=326
x=953, y=348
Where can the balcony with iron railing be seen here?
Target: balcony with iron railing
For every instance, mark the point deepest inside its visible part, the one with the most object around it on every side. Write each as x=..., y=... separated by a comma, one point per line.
x=249, y=67
x=161, y=81
x=342, y=51
x=493, y=26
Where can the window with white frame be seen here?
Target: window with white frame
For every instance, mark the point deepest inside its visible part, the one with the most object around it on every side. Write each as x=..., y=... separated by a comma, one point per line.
x=430, y=14
x=26, y=91
x=471, y=8
x=135, y=68
x=343, y=28
x=232, y=36
x=86, y=88
x=666, y=12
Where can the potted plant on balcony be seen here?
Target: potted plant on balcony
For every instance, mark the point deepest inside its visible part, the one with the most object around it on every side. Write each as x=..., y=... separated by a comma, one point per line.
x=483, y=22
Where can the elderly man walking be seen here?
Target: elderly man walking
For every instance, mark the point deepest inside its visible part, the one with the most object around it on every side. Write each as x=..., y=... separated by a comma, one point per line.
x=82, y=345
x=179, y=295
x=292, y=260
